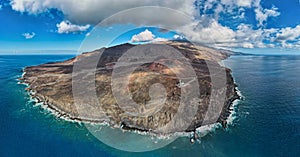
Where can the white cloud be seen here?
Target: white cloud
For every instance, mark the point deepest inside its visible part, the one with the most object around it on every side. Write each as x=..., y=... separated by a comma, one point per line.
x=216, y=35
x=247, y=37
x=146, y=36
x=288, y=34
x=159, y=40
x=230, y=5
x=92, y=11
x=68, y=27
x=239, y=3
x=143, y=36
x=244, y=3
x=207, y=30
x=29, y=35
x=236, y=8
x=262, y=15
x=208, y=4
x=241, y=13
x=211, y=33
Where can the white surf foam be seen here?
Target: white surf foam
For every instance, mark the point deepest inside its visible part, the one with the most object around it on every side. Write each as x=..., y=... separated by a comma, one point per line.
x=201, y=131
x=233, y=108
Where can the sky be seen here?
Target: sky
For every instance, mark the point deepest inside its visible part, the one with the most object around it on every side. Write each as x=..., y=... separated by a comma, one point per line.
x=48, y=25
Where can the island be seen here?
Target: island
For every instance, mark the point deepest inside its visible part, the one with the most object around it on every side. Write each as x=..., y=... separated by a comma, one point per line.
x=51, y=84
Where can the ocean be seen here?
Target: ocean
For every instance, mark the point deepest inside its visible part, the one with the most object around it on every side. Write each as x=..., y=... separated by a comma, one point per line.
x=267, y=119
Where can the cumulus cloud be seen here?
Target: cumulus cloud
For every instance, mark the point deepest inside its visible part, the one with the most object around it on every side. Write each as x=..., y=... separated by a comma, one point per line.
x=247, y=36
x=209, y=32
x=286, y=35
x=92, y=12
x=28, y=35
x=68, y=27
x=262, y=15
x=202, y=28
x=143, y=36
x=146, y=36
x=229, y=6
x=236, y=8
x=214, y=34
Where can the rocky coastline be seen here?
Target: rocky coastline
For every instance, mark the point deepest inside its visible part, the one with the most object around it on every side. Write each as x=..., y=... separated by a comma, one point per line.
x=51, y=84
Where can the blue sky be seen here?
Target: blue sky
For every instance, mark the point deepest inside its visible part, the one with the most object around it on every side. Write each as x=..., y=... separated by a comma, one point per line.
x=28, y=25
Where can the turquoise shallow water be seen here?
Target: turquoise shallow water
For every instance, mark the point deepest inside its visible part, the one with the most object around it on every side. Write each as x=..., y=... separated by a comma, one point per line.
x=267, y=124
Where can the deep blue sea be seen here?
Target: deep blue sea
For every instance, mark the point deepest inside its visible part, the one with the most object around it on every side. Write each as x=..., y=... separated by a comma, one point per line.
x=267, y=120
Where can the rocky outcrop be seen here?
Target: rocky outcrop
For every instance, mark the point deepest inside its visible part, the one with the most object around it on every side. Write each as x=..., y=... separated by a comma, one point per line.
x=51, y=83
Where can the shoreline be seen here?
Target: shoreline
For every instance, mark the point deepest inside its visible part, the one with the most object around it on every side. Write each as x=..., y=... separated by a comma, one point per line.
x=50, y=84
x=202, y=130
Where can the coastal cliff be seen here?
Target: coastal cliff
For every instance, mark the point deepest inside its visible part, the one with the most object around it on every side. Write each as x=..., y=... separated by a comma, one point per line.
x=51, y=83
